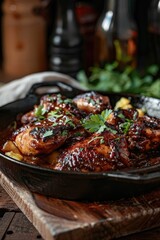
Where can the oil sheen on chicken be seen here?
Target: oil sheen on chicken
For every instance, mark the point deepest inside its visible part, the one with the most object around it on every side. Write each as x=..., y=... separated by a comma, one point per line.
x=88, y=134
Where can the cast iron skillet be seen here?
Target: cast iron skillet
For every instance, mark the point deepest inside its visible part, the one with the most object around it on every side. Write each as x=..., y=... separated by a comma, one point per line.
x=71, y=185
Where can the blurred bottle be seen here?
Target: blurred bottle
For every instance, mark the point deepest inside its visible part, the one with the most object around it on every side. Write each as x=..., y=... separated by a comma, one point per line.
x=154, y=32
x=87, y=15
x=66, y=41
x=115, y=37
x=24, y=37
x=1, y=33
x=143, y=36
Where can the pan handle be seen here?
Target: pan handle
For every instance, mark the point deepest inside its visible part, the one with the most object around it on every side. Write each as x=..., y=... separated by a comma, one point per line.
x=141, y=176
x=58, y=87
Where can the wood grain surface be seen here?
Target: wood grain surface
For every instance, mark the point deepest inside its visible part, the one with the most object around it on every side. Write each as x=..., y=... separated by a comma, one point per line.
x=67, y=220
x=13, y=223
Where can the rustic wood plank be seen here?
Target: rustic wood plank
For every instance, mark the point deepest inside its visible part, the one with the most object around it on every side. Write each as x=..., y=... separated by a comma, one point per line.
x=6, y=202
x=5, y=221
x=88, y=221
x=147, y=235
x=48, y=225
x=21, y=228
x=115, y=218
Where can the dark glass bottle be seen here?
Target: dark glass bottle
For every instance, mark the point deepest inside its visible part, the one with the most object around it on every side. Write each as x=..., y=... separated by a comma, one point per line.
x=66, y=42
x=115, y=37
x=143, y=58
x=1, y=33
x=154, y=32
x=87, y=14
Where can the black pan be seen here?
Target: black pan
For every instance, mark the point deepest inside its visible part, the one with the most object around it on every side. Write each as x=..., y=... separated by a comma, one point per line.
x=71, y=185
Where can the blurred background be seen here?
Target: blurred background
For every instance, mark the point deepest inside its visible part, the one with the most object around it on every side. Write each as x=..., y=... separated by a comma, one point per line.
x=81, y=38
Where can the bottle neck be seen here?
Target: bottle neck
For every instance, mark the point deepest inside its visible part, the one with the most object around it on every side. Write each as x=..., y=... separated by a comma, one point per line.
x=106, y=18
x=66, y=12
x=109, y=5
x=122, y=19
x=154, y=17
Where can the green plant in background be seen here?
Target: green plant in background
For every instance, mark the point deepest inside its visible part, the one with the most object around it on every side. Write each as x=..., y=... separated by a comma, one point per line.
x=109, y=78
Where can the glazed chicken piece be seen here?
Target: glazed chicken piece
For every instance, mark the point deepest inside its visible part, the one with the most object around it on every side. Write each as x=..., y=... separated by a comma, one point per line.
x=44, y=137
x=49, y=103
x=51, y=123
x=144, y=134
x=92, y=102
x=97, y=153
x=41, y=139
x=55, y=115
x=114, y=148
x=87, y=134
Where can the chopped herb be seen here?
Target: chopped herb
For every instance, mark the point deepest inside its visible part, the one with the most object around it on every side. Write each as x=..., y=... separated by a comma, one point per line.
x=69, y=121
x=67, y=100
x=121, y=115
x=69, y=113
x=54, y=114
x=39, y=112
x=81, y=149
x=111, y=130
x=101, y=138
x=55, y=124
x=92, y=101
x=126, y=126
x=64, y=133
x=96, y=122
x=48, y=133
x=105, y=114
x=59, y=98
x=78, y=134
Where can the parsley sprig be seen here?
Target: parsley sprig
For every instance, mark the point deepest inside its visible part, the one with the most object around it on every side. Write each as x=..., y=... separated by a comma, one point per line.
x=55, y=114
x=48, y=133
x=97, y=122
x=40, y=112
x=126, y=126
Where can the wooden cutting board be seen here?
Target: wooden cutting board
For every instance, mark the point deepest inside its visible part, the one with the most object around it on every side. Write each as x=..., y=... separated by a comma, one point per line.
x=68, y=220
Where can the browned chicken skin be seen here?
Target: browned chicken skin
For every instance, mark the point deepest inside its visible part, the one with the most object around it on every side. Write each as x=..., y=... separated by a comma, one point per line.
x=107, y=151
x=49, y=103
x=99, y=152
x=92, y=102
x=34, y=140
x=49, y=125
x=119, y=139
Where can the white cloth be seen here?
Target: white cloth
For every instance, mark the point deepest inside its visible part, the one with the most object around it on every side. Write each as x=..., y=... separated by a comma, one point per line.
x=19, y=88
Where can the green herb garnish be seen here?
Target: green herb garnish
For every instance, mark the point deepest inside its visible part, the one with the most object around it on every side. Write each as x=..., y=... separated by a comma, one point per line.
x=126, y=125
x=54, y=114
x=69, y=121
x=101, y=138
x=39, y=112
x=64, y=133
x=97, y=122
x=48, y=133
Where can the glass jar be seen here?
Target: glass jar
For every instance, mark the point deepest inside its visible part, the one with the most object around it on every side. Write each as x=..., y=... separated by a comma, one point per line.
x=23, y=37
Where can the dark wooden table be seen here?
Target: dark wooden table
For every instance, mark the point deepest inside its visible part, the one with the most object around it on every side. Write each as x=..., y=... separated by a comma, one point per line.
x=13, y=223
x=15, y=226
